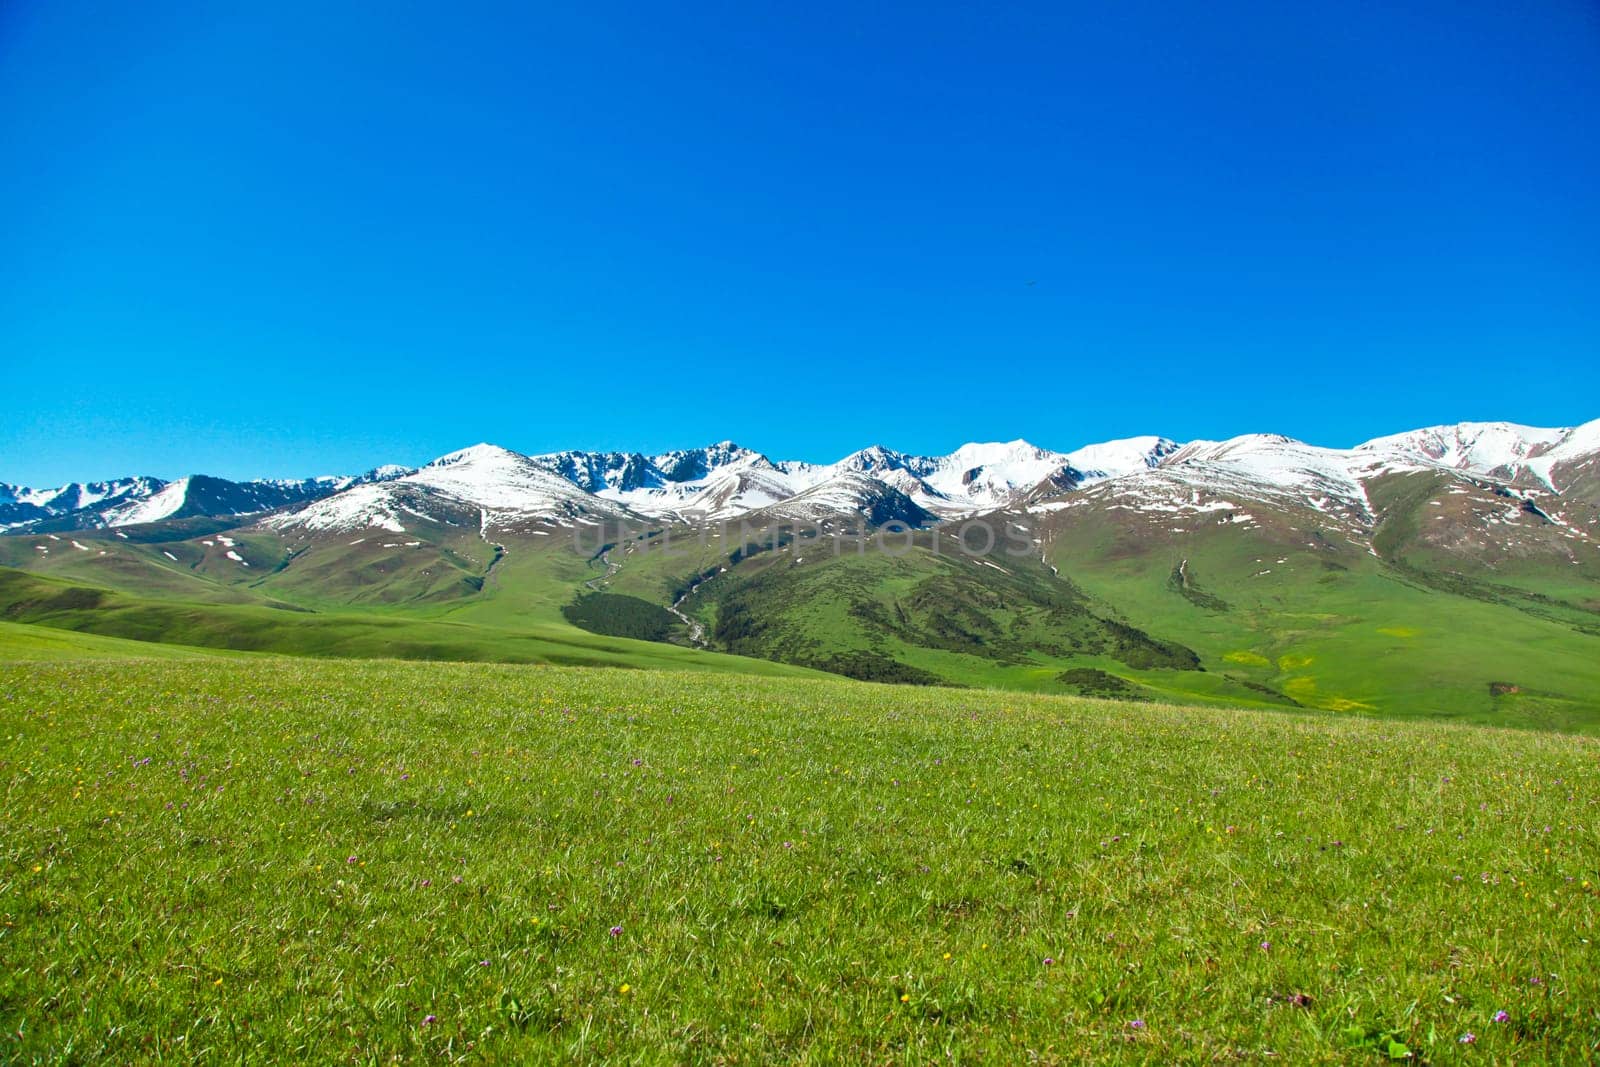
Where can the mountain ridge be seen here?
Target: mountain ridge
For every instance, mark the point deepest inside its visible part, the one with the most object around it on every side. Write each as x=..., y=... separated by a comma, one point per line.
x=726, y=480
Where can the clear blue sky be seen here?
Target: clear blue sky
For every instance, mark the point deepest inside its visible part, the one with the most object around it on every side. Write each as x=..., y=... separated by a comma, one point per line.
x=262, y=239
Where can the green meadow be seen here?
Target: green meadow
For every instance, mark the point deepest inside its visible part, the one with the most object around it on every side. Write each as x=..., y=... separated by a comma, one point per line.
x=259, y=858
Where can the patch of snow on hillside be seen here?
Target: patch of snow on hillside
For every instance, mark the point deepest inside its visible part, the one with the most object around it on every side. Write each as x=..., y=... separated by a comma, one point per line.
x=357, y=508
x=1579, y=443
x=164, y=503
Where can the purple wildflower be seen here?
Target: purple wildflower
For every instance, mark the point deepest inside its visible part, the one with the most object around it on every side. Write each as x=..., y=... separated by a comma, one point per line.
x=616, y=931
x=1502, y=1017
x=1049, y=961
x=429, y=1020
x=1468, y=1038
x=1137, y=1024
x=352, y=859
x=1266, y=946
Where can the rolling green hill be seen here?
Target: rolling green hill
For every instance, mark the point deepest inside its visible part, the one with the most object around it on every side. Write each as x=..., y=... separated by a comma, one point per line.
x=51, y=603
x=1271, y=608
x=1355, y=634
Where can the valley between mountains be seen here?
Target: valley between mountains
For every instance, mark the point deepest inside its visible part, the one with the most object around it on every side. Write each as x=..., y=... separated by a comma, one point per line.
x=1450, y=572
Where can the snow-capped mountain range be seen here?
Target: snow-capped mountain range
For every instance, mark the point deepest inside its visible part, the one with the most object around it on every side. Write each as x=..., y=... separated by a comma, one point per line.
x=720, y=482
x=132, y=501
x=1507, y=489
x=499, y=487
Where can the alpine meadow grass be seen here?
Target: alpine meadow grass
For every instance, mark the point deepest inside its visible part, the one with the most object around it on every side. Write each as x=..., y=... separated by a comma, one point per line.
x=267, y=859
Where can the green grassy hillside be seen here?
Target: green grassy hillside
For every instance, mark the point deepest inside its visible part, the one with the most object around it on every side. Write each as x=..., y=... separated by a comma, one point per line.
x=1258, y=609
x=1342, y=630
x=266, y=860
x=922, y=615
x=21, y=642
x=49, y=602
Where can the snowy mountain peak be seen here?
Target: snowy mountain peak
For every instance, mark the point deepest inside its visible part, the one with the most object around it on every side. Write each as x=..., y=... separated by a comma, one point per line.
x=481, y=453
x=494, y=477
x=1243, y=444
x=502, y=486
x=1111, y=459
x=988, y=453
x=1481, y=446
x=872, y=458
x=982, y=476
x=1506, y=450
x=687, y=465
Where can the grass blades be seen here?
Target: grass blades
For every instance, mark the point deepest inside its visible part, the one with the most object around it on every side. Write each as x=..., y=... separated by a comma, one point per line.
x=268, y=859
